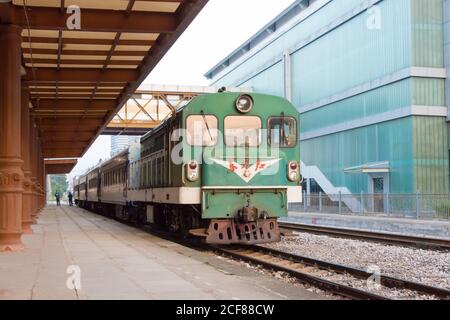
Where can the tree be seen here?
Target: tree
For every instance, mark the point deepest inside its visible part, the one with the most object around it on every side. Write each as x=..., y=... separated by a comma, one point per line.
x=58, y=183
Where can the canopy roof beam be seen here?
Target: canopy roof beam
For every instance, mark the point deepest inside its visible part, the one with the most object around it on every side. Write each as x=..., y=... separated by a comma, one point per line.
x=91, y=20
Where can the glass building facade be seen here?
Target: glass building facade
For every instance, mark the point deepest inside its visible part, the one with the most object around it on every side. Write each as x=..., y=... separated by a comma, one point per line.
x=120, y=143
x=370, y=81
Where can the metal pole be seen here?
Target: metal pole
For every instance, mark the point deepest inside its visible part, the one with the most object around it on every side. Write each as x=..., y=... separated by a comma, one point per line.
x=418, y=205
x=304, y=201
x=340, y=202
x=388, y=205
x=320, y=201
x=362, y=202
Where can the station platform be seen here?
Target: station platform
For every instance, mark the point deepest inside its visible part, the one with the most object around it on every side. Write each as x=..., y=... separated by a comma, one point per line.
x=119, y=262
x=415, y=227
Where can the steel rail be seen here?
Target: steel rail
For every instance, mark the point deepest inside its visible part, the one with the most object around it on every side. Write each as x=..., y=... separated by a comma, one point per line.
x=302, y=262
x=387, y=281
x=391, y=238
x=296, y=265
x=302, y=276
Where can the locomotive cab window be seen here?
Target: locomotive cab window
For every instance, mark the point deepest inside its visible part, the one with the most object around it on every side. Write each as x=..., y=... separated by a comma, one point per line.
x=242, y=130
x=202, y=130
x=282, y=132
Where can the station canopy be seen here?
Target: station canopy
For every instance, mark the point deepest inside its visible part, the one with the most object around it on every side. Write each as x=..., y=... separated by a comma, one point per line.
x=80, y=78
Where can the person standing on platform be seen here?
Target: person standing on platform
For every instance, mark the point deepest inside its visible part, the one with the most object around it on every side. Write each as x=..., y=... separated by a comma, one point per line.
x=70, y=196
x=58, y=198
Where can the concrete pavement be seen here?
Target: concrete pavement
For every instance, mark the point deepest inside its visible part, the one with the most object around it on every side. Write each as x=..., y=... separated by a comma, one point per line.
x=114, y=261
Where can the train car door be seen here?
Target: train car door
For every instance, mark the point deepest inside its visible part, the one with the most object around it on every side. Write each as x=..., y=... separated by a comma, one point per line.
x=125, y=179
x=86, y=188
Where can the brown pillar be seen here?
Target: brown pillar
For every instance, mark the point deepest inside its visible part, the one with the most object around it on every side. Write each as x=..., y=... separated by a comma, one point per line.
x=11, y=175
x=34, y=166
x=37, y=186
x=38, y=180
x=41, y=177
x=41, y=174
x=27, y=220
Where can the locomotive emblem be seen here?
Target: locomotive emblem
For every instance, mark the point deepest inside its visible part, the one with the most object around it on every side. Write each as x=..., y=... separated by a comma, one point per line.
x=245, y=171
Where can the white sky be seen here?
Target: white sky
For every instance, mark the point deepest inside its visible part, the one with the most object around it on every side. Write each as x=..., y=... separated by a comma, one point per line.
x=221, y=27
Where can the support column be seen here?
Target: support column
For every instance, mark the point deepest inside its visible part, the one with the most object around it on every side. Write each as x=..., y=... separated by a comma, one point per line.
x=38, y=174
x=27, y=220
x=41, y=177
x=11, y=175
x=34, y=165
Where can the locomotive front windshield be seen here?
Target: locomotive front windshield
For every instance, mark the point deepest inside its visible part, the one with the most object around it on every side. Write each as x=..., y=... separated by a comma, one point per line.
x=283, y=132
x=241, y=131
x=202, y=130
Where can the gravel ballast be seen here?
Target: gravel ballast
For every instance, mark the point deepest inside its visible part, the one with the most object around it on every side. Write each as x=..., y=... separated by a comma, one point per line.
x=423, y=266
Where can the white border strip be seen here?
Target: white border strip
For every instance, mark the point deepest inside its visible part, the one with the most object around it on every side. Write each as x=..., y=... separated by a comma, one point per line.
x=432, y=111
x=439, y=73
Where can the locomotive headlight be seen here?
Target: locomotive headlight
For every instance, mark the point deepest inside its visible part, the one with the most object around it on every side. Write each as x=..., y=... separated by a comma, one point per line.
x=293, y=171
x=192, y=171
x=244, y=103
x=293, y=176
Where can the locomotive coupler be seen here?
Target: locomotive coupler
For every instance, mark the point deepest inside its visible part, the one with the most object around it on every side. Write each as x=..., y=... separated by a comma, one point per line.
x=248, y=214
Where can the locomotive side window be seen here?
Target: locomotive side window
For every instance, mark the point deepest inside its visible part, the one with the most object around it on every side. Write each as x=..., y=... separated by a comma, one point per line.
x=282, y=132
x=242, y=130
x=202, y=130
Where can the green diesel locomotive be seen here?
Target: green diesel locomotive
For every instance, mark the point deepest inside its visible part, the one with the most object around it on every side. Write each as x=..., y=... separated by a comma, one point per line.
x=224, y=167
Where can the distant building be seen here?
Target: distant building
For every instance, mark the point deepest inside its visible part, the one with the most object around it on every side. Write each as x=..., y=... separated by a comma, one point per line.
x=119, y=143
x=371, y=81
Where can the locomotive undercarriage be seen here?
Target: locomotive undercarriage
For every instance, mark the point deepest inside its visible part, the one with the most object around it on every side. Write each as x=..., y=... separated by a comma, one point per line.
x=246, y=228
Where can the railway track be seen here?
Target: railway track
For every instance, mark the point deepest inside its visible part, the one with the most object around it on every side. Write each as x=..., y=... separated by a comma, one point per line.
x=390, y=238
x=306, y=270
x=313, y=272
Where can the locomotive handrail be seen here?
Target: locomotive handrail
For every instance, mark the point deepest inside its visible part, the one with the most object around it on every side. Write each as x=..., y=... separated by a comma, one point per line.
x=183, y=181
x=244, y=187
x=244, y=157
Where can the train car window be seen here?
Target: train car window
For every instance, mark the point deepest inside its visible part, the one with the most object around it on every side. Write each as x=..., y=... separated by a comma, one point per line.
x=282, y=132
x=242, y=130
x=202, y=130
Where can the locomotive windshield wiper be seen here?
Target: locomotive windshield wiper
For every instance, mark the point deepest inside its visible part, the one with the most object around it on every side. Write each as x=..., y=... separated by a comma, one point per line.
x=207, y=126
x=283, y=130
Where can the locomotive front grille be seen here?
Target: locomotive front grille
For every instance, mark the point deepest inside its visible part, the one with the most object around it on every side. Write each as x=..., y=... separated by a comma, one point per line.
x=228, y=231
